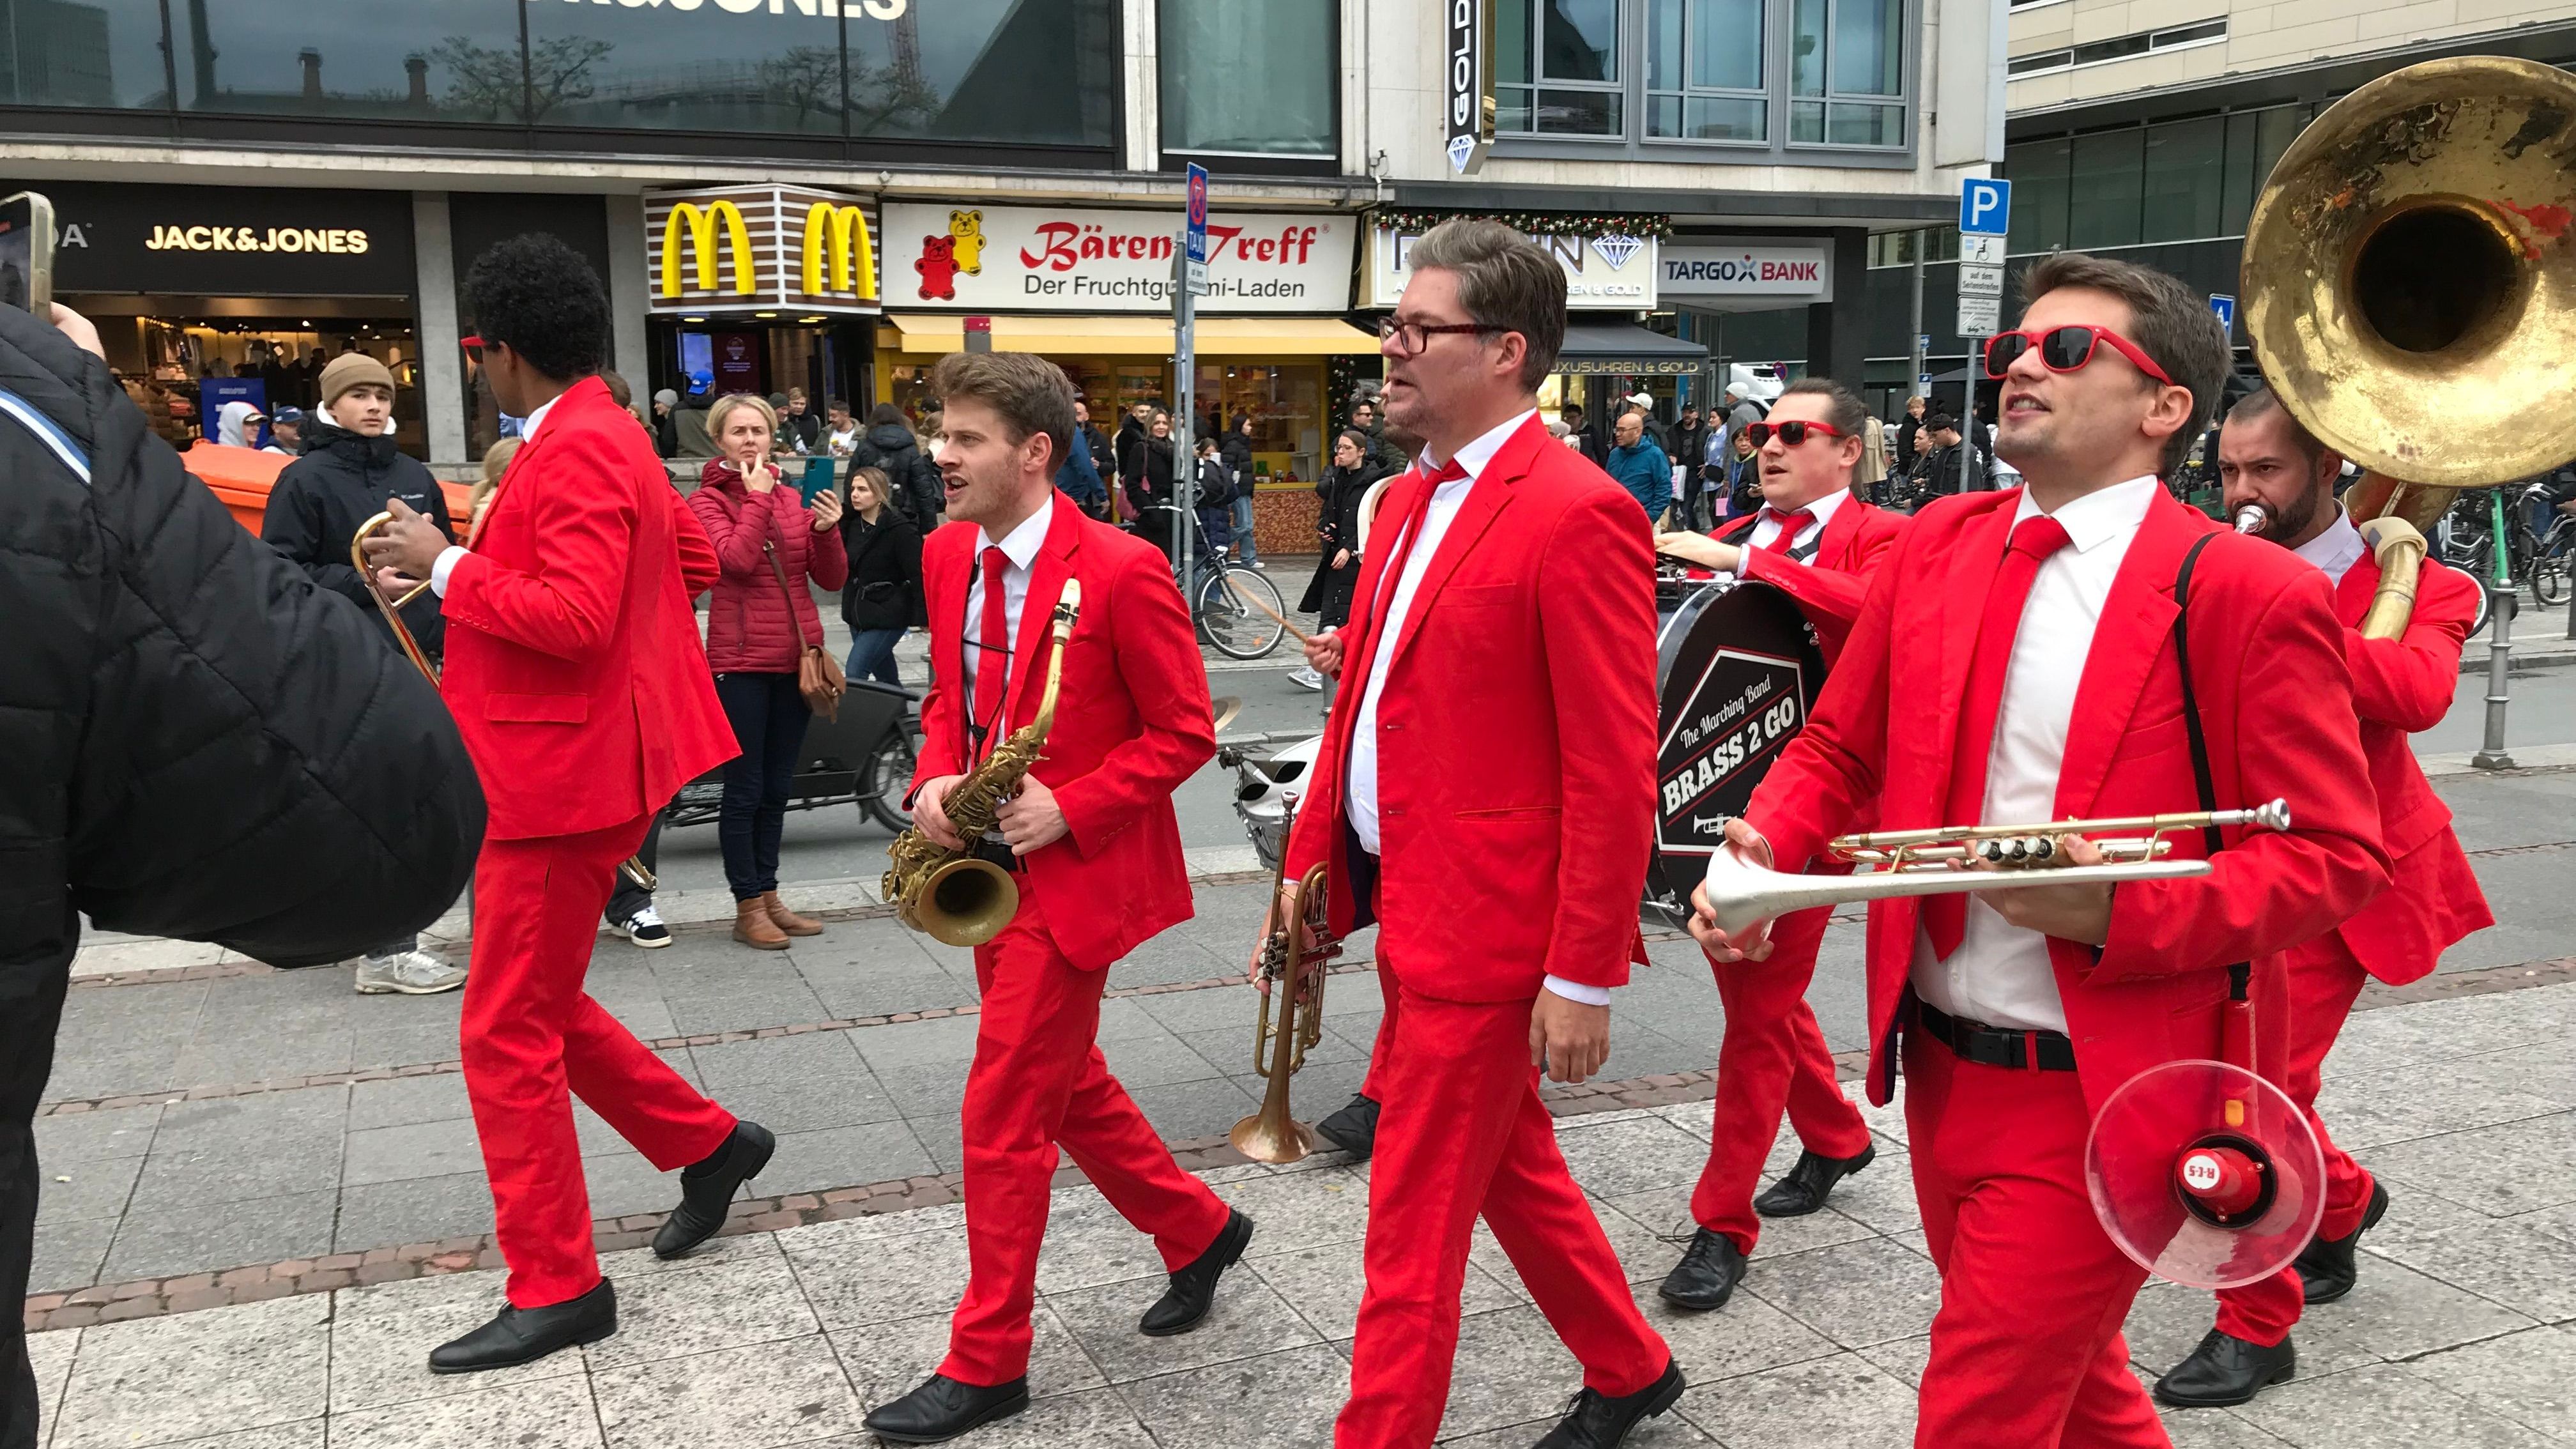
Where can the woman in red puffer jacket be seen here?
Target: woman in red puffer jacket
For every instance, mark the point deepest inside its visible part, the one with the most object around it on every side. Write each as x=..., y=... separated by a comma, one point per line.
x=753, y=645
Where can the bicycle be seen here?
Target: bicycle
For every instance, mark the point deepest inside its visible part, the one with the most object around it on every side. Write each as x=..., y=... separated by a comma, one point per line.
x=1236, y=608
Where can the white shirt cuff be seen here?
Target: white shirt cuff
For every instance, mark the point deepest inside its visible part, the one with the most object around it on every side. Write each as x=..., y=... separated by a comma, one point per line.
x=445, y=565
x=1577, y=991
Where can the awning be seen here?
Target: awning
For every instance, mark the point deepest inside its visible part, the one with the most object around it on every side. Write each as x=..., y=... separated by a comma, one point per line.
x=915, y=332
x=1625, y=348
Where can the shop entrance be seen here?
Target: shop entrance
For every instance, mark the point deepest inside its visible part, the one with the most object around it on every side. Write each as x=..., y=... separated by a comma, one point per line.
x=703, y=359
x=181, y=357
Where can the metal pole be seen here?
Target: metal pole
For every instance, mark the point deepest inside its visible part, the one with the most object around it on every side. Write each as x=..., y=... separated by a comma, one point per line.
x=1185, y=463
x=2500, y=595
x=1914, y=377
x=1967, y=419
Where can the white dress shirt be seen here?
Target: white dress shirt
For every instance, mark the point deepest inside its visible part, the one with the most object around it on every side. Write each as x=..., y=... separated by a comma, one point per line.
x=1021, y=547
x=2000, y=975
x=1446, y=500
x=1766, y=525
x=2337, y=549
x=445, y=563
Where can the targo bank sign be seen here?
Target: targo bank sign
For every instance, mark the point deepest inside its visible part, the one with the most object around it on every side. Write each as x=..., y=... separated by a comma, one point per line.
x=1072, y=259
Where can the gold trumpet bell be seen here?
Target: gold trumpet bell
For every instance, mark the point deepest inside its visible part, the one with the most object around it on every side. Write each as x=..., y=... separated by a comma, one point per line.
x=966, y=902
x=2410, y=279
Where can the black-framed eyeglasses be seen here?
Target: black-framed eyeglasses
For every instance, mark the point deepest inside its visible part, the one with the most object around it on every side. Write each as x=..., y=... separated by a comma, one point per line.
x=1411, y=337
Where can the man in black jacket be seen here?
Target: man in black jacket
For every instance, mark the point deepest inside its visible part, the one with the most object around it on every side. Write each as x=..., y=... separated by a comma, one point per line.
x=198, y=743
x=349, y=469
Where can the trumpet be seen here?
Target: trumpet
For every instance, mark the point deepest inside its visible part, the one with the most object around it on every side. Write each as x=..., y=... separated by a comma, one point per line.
x=1294, y=971
x=393, y=607
x=2253, y=518
x=1935, y=862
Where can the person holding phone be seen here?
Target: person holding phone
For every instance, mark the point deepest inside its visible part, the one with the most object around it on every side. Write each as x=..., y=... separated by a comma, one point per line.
x=882, y=598
x=757, y=629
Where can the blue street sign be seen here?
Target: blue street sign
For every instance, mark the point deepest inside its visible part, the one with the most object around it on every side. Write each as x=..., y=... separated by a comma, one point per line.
x=2224, y=307
x=1197, y=234
x=1985, y=206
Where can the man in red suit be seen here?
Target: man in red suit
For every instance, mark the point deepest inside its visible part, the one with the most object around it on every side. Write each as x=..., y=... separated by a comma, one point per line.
x=2016, y=661
x=574, y=671
x=1485, y=793
x=2399, y=685
x=1817, y=542
x=1093, y=845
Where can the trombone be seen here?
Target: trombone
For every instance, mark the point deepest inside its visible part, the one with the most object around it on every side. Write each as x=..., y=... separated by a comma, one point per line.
x=393, y=607
x=1294, y=971
x=1936, y=862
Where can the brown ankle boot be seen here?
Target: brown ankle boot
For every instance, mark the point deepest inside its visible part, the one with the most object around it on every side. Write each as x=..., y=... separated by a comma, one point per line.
x=787, y=920
x=751, y=926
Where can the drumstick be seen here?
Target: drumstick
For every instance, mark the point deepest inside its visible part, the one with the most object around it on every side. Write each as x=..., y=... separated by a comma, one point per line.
x=1300, y=635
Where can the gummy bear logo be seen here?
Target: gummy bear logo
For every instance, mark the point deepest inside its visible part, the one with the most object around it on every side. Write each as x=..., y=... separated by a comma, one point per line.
x=938, y=268
x=966, y=228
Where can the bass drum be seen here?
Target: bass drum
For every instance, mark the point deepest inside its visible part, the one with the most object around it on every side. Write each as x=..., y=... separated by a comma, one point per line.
x=1737, y=668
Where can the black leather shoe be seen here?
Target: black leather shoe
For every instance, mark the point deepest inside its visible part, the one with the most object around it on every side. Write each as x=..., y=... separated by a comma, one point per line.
x=1352, y=1129
x=2328, y=1267
x=1597, y=1421
x=1193, y=1289
x=2226, y=1370
x=707, y=1188
x=524, y=1335
x=942, y=1408
x=1808, y=1184
x=1707, y=1274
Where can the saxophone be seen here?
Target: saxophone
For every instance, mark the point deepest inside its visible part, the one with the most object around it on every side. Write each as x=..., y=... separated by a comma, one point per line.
x=952, y=895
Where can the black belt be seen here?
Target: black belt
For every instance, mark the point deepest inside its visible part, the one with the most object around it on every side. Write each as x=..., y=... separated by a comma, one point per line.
x=1996, y=1046
x=993, y=849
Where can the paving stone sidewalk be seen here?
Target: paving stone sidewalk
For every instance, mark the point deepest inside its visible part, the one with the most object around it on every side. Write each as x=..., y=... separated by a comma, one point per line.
x=2462, y=1333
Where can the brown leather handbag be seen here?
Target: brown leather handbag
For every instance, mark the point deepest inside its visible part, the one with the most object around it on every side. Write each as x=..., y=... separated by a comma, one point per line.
x=818, y=674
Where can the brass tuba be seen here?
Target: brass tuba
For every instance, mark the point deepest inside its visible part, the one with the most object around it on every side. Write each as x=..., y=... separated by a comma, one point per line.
x=1293, y=957
x=954, y=896
x=2410, y=291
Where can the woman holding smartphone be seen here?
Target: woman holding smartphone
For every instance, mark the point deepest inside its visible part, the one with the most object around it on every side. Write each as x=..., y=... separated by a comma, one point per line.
x=883, y=596
x=757, y=630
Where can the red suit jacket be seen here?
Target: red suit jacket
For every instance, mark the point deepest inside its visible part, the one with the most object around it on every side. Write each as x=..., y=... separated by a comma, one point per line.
x=1132, y=722
x=1516, y=746
x=1828, y=587
x=2398, y=686
x=2275, y=700
x=573, y=662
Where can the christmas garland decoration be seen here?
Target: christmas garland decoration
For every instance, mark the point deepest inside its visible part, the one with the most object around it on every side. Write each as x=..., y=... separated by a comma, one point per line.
x=1539, y=223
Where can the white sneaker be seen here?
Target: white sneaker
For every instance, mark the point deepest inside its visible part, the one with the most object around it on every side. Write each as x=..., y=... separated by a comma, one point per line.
x=645, y=929
x=412, y=973
x=1305, y=678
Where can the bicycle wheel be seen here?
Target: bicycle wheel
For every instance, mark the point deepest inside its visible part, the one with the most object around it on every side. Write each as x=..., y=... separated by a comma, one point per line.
x=889, y=775
x=2549, y=580
x=1229, y=616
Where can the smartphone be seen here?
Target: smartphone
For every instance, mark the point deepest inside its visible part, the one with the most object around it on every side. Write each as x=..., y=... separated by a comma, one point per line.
x=27, y=253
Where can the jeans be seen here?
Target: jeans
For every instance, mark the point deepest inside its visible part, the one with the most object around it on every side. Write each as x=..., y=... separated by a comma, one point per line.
x=628, y=897
x=26, y=1059
x=1219, y=526
x=1240, y=514
x=872, y=654
x=395, y=948
x=769, y=717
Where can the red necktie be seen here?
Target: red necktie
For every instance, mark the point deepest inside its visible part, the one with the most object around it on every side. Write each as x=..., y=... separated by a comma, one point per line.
x=993, y=660
x=1791, y=524
x=2033, y=540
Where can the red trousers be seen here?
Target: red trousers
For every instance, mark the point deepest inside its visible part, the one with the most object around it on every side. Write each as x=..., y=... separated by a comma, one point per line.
x=1461, y=1131
x=2026, y=1349
x=1038, y=1083
x=1773, y=1059
x=530, y=1033
x=2324, y=981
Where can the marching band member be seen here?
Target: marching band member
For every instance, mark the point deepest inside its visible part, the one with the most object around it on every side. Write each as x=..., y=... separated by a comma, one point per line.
x=2016, y=660
x=574, y=671
x=1485, y=794
x=2398, y=686
x=1817, y=542
x=1097, y=851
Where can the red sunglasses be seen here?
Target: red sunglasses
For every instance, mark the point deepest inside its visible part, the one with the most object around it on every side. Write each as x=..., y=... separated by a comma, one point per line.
x=1791, y=433
x=2064, y=349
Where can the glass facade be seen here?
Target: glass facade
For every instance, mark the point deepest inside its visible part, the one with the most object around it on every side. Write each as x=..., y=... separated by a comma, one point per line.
x=2181, y=180
x=1248, y=76
x=1704, y=77
x=1556, y=67
x=1027, y=72
x=1847, y=72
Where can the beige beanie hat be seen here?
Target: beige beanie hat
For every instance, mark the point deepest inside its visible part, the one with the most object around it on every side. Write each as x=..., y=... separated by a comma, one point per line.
x=353, y=369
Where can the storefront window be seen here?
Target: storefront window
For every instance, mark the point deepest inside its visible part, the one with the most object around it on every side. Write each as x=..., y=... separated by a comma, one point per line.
x=1286, y=405
x=2184, y=179
x=104, y=53
x=2103, y=189
x=362, y=59
x=2255, y=140
x=1248, y=76
x=2037, y=170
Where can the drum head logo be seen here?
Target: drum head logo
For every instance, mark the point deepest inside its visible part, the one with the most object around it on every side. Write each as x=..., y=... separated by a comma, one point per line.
x=1740, y=669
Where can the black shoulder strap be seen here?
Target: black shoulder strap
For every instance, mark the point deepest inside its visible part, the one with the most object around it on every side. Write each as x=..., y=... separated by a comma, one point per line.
x=2240, y=974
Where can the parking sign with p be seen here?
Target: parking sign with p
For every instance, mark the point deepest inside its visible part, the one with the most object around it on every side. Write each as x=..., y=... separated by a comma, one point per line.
x=1985, y=206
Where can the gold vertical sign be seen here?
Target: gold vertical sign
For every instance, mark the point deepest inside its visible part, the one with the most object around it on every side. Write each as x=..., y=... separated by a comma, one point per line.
x=1468, y=84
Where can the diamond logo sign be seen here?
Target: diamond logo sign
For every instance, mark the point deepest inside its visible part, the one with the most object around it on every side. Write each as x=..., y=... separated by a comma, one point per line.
x=1617, y=247
x=1462, y=149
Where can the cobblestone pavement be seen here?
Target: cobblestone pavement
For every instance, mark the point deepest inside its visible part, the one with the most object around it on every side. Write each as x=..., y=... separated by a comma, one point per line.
x=262, y=1205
